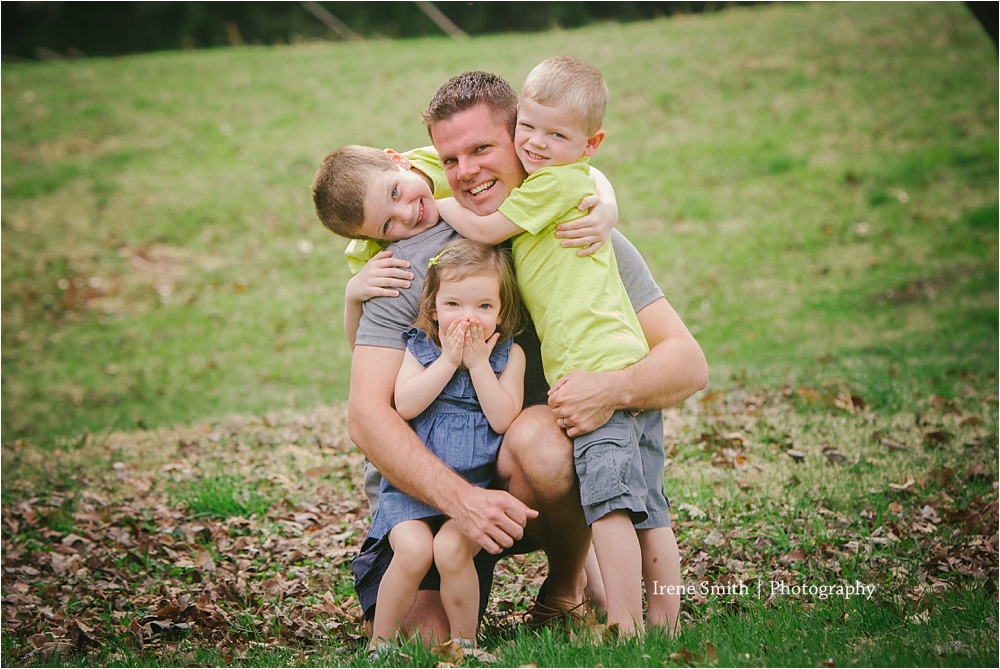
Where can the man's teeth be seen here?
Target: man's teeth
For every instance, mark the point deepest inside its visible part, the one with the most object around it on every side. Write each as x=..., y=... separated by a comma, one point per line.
x=479, y=189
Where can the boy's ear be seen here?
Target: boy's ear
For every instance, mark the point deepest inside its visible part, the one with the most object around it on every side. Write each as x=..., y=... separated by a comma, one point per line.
x=398, y=158
x=594, y=142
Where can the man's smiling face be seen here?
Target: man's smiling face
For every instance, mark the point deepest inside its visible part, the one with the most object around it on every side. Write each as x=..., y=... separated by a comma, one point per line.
x=478, y=157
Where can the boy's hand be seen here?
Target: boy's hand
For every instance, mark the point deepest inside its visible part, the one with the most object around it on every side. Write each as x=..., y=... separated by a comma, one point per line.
x=590, y=231
x=380, y=277
x=453, y=342
x=477, y=347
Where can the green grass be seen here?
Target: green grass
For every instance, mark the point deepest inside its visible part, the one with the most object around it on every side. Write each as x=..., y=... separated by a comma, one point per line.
x=222, y=496
x=813, y=185
x=783, y=169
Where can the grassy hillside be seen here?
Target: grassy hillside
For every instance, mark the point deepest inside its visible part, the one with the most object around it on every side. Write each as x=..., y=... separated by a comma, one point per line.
x=814, y=187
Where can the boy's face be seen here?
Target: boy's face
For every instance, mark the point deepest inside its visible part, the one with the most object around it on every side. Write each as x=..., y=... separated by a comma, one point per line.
x=399, y=205
x=548, y=136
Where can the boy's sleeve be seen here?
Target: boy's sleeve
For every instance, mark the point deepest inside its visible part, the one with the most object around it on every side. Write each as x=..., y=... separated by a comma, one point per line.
x=360, y=251
x=536, y=203
x=426, y=160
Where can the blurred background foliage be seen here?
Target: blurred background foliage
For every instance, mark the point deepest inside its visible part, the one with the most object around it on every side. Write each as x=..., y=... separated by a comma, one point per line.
x=50, y=30
x=813, y=185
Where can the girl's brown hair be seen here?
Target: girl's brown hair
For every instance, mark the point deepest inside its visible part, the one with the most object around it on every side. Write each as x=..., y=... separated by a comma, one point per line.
x=468, y=258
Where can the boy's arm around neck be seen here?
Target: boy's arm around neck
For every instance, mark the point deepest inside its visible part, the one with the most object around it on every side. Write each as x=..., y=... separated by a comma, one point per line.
x=491, y=229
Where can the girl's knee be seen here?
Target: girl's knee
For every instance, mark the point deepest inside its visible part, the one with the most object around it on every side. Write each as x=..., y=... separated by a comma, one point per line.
x=452, y=551
x=413, y=553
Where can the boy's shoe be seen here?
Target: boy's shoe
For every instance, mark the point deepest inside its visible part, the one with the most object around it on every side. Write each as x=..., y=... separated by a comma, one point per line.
x=379, y=651
x=540, y=614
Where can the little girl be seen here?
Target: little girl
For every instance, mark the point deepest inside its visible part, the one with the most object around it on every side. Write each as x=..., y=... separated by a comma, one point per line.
x=460, y=385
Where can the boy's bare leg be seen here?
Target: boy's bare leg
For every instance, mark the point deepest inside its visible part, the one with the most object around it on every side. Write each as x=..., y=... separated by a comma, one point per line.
x=661, y=564
x=412, y=544
x=536, y=464
x=453, y=554
x=594, y=592
x=620, y=559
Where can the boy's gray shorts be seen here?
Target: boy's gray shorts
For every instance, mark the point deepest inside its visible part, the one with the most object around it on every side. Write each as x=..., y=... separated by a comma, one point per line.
x=620, y=467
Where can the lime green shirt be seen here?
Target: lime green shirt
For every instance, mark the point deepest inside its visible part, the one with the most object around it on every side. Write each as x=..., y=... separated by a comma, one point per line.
x=425, y=159
x=579, y=305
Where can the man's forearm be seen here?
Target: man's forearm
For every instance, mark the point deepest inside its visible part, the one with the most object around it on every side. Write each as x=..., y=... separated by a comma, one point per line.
x=674, y=370
x=667, y=376
x=352, y=318
x=385, y=438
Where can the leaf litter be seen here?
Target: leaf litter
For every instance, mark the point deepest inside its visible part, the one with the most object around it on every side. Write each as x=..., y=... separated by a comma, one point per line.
x=100, y=542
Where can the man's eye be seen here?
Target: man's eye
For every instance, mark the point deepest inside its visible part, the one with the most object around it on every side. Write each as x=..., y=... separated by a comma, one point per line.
x=484, y=147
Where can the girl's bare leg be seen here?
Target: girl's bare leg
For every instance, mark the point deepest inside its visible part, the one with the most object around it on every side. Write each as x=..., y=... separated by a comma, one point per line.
x=453, y=554
x=620, y=560
x=412, y=544
x=661, y=569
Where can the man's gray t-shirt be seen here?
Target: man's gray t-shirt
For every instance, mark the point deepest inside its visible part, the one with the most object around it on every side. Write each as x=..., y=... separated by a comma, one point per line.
x=386, y=318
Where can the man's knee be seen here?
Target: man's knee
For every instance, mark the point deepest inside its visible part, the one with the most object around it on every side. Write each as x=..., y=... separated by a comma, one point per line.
x=537, y=452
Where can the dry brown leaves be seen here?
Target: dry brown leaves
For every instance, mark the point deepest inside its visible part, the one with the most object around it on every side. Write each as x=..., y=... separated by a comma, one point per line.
x=935, y=534
x=98, y=546
x=137, y=566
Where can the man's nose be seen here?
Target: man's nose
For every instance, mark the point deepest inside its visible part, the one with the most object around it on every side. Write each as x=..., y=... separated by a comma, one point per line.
x=467, y=168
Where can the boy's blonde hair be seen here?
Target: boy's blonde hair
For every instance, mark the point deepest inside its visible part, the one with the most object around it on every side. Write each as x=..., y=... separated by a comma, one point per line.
x=342, y=184
x=466, y=258
x=569, y=82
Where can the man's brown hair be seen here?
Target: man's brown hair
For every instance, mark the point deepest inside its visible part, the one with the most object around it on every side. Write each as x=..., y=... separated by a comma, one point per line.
x=571, y=83
x=342, y=184
x=471, y=89
x=466, y=258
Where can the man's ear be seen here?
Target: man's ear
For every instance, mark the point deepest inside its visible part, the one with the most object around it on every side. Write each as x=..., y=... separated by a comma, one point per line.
x=594, y=142
x=398, y=158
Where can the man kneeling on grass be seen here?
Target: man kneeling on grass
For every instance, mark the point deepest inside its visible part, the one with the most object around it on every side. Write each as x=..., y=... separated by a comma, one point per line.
x=535, y=500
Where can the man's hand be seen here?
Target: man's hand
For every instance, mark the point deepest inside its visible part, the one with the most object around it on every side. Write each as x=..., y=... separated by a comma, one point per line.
x=494, y=519
x=674, y=370
x=380, y=277
x=581, y=402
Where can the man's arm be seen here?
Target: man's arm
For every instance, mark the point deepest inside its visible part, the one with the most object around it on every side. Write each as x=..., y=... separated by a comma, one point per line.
x=381, y=276
x=492, y=518
x=674, y=369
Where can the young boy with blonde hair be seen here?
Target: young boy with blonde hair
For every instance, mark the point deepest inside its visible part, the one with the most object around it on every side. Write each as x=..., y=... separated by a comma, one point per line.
x=585, y=321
